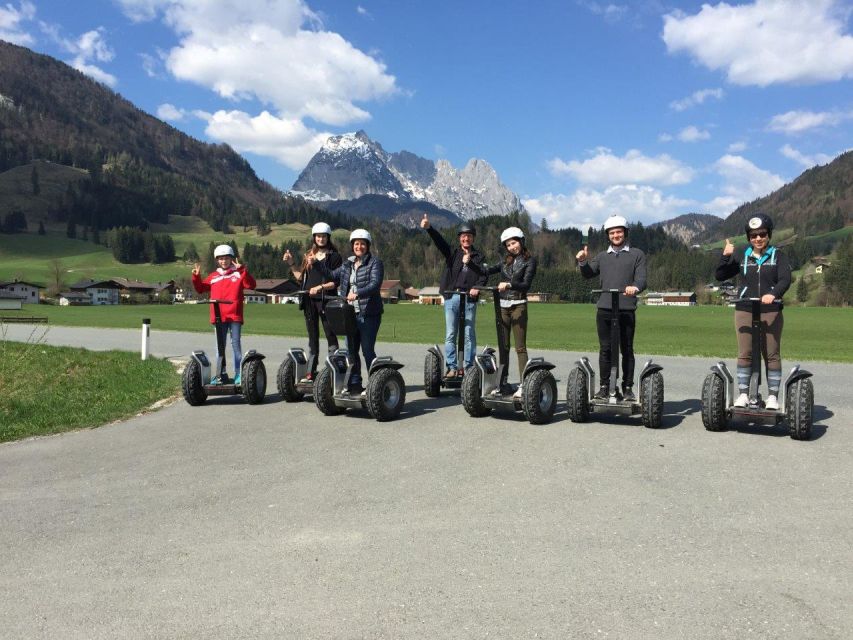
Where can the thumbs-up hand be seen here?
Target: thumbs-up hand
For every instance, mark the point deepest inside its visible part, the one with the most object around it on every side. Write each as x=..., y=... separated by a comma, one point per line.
x=288, y=258
x=583, y=254
x=425, y=222
x=729, y=249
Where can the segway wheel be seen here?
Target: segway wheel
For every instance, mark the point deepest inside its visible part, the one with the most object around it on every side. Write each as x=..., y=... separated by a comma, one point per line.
x=253, y=379
x=286, y=381
x=714, y=403
x=651, y=394
x=472, y=394
x=386, y=394
x=800, y=408
x=539, y=396
x=324, y=393
x=432, y=375
x=577, y=396
x=192, y=385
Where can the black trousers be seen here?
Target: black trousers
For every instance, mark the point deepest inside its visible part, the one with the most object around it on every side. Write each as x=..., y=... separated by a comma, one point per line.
x=314, y=314
x=627, y=321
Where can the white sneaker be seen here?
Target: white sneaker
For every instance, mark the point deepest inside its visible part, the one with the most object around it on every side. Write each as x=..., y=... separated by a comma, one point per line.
x=517, y=394
x=742, y=400
x=772, y=403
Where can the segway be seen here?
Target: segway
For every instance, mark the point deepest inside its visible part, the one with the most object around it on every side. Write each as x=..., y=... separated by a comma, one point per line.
x=434, y=376
x=482, y=390
x=291, y=380
x=385, y=393
x=580, y=389
x=197, y=383
x=718, y=392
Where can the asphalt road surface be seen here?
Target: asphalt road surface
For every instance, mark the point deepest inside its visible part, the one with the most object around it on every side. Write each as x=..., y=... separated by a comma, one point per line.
x=273, y=521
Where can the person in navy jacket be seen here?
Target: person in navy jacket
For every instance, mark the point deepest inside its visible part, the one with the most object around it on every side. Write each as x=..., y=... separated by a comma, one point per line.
x=359, y=281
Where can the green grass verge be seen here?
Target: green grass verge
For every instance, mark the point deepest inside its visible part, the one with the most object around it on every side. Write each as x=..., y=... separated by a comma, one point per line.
x=678, y=331
x=46, y=390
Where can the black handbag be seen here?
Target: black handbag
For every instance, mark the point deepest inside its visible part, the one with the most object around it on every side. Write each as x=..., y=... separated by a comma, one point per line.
x=341, y=317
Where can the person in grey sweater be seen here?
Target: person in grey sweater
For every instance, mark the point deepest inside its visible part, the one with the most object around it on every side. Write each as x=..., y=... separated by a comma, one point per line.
x=620, y=267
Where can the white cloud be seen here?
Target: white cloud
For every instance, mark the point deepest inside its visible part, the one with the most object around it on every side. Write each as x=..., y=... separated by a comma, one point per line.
x=604, y=168
x=693, y=134
x=11, y=19
x=590, y=207
x=793, y=122
x=742, y=182
x=806, y=161
x=276, y=52
x=665, y=137
x=695, y=98
x=170, y=112
x=737, y=147
x=767, y=41
x=610, y=11
x=91, y=45
x=362, y=11
x=288, y=141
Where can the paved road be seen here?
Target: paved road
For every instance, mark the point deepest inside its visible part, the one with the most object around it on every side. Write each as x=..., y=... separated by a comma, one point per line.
x=271, y=521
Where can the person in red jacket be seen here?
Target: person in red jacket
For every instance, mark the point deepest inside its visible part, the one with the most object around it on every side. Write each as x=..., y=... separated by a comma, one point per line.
x=226, y=283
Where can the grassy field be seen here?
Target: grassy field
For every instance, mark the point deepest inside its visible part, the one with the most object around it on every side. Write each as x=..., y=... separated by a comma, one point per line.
x=28, y=256
x=810, y=333
x=47, y=390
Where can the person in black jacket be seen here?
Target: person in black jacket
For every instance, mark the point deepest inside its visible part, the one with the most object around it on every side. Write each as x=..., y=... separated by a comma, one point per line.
x=463, y=270
x=765, y=273
x=312, y=279
x=621, y=267
x=517, y=273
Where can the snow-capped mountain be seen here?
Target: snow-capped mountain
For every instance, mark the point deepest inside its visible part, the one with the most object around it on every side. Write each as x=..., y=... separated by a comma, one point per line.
x=351, y=165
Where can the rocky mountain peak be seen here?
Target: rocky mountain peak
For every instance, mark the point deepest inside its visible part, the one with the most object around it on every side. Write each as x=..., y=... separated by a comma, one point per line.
x=351, y=165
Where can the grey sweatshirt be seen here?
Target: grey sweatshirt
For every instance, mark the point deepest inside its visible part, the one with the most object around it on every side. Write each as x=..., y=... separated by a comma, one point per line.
x=617, y=270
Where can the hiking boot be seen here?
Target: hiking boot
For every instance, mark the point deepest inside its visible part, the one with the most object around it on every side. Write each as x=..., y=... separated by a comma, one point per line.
x=772, y=403
x=628, y=394
x=742, y=401
x=603, y=392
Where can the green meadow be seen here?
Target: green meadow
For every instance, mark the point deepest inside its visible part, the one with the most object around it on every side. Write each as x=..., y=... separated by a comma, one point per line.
x=810, y=333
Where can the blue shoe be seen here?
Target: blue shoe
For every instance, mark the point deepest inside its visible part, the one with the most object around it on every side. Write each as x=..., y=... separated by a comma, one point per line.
x=237, y=380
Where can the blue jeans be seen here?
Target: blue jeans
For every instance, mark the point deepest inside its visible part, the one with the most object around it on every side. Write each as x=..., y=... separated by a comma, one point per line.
x=365, y=339
x=222, y=330
x=451, y=322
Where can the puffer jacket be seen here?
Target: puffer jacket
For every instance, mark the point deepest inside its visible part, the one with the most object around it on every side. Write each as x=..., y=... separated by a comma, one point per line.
x=367, y=284
x=519, y=273
x=769, y=274
x=226, y=284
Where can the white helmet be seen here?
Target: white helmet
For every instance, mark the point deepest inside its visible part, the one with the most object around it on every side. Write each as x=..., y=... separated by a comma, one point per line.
x=360, y=234
x=615, y=221
x=223, y=250
x=321, y=227
x=512, y=232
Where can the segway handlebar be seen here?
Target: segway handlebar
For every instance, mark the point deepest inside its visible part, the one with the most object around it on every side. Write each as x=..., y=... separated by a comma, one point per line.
x=606, y=290
x=219, y=301
x=485, y=288
x=776, y=300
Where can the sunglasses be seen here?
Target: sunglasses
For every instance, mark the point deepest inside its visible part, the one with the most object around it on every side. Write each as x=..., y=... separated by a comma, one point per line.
x=758, y=234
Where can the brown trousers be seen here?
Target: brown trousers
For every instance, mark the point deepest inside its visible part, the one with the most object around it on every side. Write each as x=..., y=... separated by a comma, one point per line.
x=514, y=319
x=770, y=346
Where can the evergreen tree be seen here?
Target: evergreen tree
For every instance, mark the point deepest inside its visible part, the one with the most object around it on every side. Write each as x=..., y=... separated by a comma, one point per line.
x=191, y=253
x=41, y=230
x=71, y=228
x=34, y=179
x=802, y=290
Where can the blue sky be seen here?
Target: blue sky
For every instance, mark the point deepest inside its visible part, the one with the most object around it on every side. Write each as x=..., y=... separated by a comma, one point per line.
x=584, y=108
